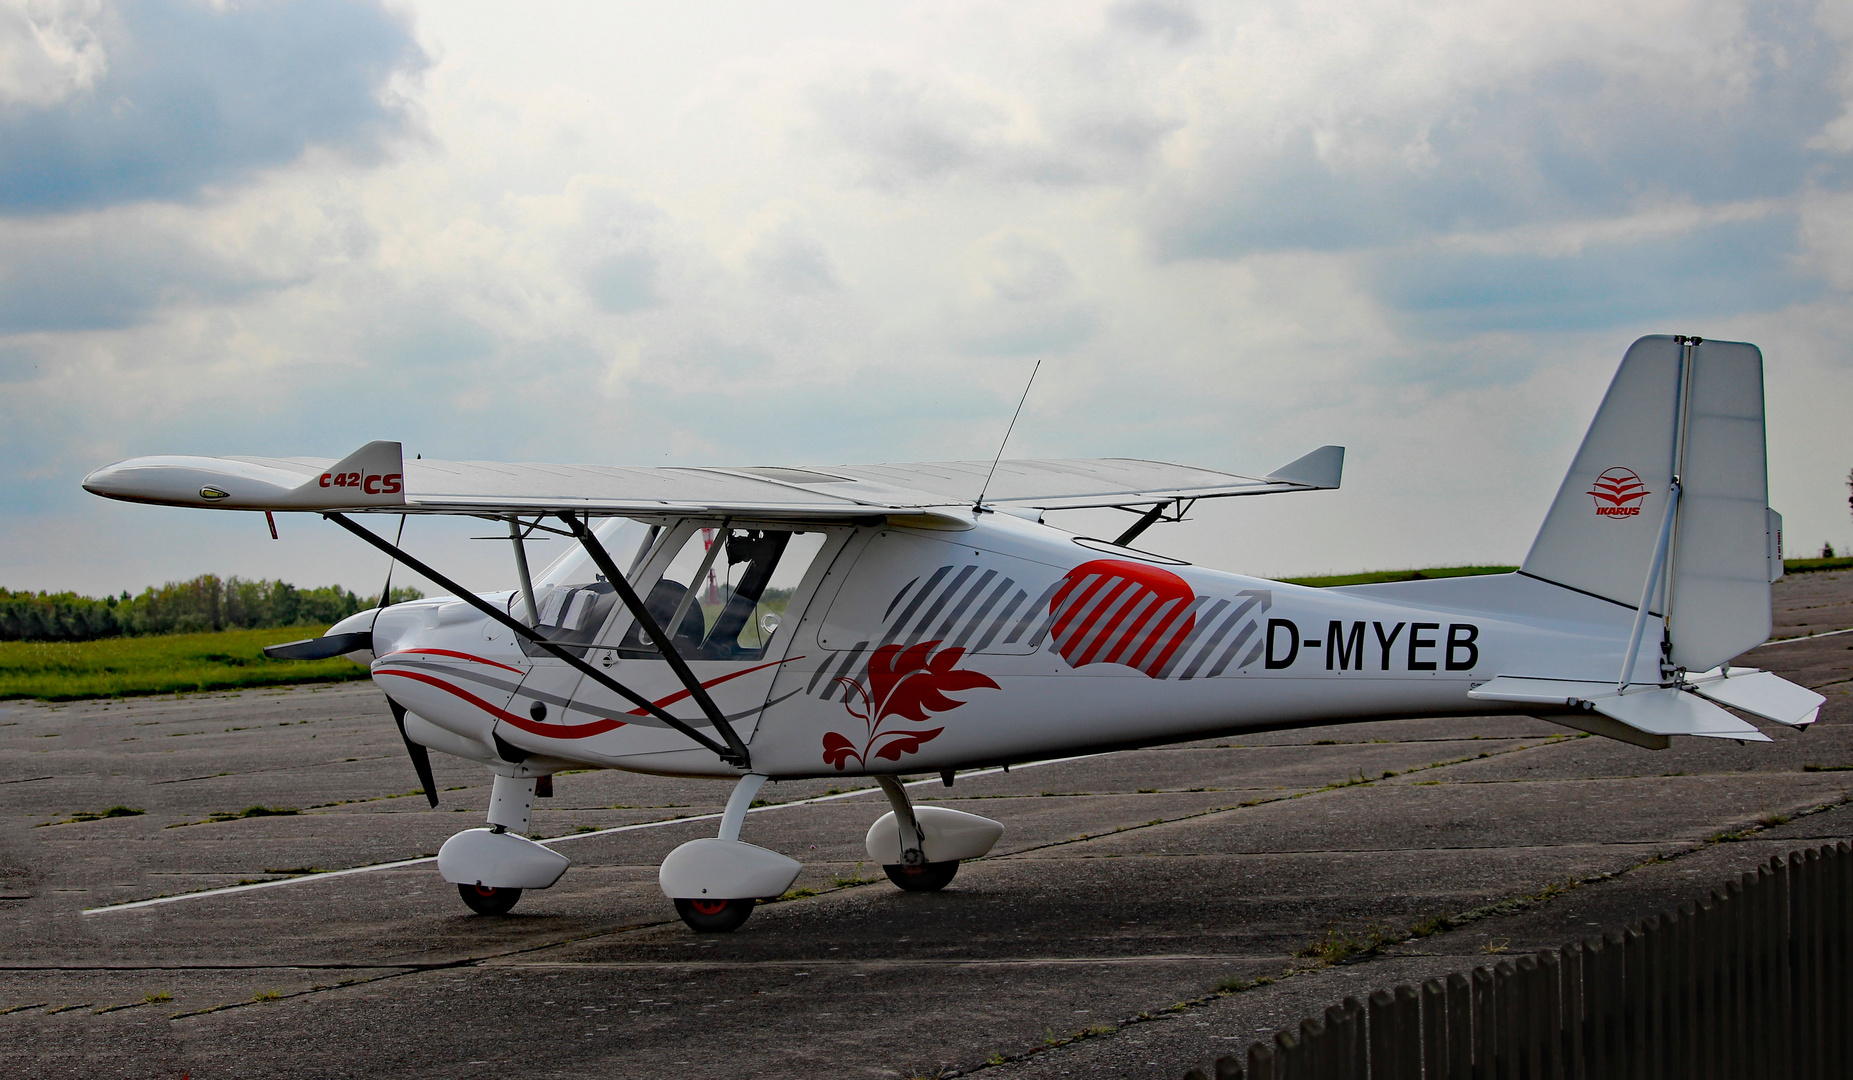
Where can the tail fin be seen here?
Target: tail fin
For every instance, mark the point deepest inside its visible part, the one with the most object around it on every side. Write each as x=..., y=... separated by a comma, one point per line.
x=1681, y=426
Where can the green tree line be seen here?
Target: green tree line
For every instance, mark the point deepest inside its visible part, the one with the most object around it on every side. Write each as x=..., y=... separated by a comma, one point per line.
x=207, y=602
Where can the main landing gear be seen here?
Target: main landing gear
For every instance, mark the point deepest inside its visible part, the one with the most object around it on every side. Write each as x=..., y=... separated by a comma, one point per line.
x=920, y=848
x=716, y=881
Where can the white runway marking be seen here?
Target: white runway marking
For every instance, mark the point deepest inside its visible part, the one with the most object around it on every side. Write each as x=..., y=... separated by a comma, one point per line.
x=229, y=889
x=1805, y=637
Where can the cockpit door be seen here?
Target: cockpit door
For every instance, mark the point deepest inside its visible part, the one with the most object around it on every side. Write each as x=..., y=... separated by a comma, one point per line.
x=722, y=590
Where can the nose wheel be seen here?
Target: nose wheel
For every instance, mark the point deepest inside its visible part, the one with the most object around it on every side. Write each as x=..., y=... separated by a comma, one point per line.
x=926, y=877
x=487, y=901
x=714, y=916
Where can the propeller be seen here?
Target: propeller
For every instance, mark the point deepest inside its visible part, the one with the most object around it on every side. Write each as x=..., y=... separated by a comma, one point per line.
x=421, y=757
x=321, y=648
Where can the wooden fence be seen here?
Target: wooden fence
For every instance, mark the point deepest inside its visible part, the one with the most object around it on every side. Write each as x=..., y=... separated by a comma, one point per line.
x=1752, y=981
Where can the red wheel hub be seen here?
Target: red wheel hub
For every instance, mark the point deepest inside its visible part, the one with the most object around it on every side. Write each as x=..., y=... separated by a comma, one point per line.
x=708, y=907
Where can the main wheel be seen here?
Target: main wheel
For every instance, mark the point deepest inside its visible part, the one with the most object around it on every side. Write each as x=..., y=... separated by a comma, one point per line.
x=714, y=916
x=486, y=901
x=927, y=877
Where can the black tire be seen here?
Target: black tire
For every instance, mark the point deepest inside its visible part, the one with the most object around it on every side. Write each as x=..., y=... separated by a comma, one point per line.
x=485, y=901
x=715, y=916
x=927, y=877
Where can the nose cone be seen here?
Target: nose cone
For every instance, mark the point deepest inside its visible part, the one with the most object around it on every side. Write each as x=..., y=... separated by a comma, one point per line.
x=110, y=481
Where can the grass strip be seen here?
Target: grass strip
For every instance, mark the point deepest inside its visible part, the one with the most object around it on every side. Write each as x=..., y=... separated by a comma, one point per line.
x=160, y=664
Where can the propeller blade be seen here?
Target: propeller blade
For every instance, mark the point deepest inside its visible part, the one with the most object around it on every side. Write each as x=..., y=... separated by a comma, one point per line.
x=321, y=648
x=421, y=757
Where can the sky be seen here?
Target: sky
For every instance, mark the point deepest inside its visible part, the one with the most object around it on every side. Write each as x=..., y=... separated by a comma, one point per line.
x=811, y=233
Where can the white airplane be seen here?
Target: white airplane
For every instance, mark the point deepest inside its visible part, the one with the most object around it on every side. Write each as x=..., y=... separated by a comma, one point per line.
x=782, y=623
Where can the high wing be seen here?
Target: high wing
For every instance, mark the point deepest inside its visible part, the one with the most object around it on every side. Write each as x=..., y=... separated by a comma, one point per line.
x=377, y=478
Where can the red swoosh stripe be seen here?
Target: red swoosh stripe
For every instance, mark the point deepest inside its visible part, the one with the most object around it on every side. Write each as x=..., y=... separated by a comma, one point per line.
x=532, y=727
x=680, y=694
x=458, y=655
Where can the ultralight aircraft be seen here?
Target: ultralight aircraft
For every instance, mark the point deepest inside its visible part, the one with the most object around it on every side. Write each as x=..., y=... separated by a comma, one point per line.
x=768, y=622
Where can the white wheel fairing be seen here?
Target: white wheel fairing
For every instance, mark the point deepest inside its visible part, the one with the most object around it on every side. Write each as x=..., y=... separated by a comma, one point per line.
x=716, y=869
x=499, y=861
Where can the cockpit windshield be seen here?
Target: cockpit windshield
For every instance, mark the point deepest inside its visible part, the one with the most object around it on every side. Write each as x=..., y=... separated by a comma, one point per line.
x=572, y=596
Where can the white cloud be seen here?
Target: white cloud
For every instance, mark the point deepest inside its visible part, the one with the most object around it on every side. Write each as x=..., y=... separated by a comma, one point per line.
x=1231, y=232
x=49, y=50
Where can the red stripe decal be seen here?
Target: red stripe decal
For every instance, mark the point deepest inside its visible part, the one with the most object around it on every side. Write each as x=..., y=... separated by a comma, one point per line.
x=532, y=727
x=680, y=694
x=458, y=655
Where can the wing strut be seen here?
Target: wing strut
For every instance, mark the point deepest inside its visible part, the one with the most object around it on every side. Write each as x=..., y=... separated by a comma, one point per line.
x=737, y=754
x=1151, y=517
x=725, y=753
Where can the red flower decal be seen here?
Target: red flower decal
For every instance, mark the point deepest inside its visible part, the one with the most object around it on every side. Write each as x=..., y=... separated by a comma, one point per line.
x=904, y=683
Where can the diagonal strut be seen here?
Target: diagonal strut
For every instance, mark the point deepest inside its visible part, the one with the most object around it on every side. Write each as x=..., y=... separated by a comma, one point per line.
x=725, y=753
x=664, y=646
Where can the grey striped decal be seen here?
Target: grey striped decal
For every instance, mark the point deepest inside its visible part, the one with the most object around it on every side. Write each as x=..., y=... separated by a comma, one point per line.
x=967, y=606
x=1212, y=630
x=842, y=671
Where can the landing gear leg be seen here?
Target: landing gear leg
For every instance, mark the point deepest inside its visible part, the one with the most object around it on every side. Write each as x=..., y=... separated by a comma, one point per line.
x=913, y=873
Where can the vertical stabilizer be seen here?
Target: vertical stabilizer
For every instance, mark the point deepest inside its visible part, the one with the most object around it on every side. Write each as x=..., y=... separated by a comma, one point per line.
x=1600, y=535
x=1678, y=417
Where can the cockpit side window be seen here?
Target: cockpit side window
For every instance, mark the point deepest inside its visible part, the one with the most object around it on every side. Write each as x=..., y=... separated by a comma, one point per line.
x=725, y=592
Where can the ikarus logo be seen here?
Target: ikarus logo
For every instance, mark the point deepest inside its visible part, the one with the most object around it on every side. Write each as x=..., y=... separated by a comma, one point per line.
x=1618, y=493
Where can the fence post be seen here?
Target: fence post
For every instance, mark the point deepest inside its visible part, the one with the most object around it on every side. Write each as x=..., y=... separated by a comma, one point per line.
x=1737, y=996
x=1634, y=1001
x=1509, y=1016
x=1434, y=1030
x=1460, y=1027
x=1781, y=1008
x=1707, y=949
x=1656, y=946
x=1839, y=945
x=1382, y=1023
x=1550, y=1015
x=1261, y=1062
x=1315, y=1049
x=1594, y=953
x=1804, y=960
x=1408, y=1033
x=1347, y=1020
x=1800, y=985
x=1572, y=1039
x=1485, y=1025
x=1602, y=978
x=1229, y=1067
x=1678, y=991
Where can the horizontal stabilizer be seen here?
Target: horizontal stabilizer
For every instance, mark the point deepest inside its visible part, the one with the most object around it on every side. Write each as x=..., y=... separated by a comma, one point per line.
x=1665, y=711
x=1658, y=712
x=1323, y=468
x=1763, y=694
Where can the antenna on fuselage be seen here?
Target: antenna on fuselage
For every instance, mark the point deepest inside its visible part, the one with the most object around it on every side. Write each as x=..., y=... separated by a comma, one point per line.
x=978, y=504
